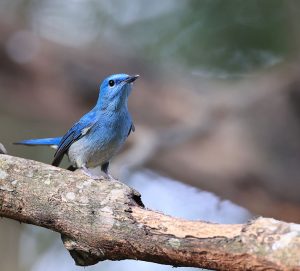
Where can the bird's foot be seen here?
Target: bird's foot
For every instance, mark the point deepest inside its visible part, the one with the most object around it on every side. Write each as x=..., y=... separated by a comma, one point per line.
x=92, y=175
x=109, y=177
x=96, y=175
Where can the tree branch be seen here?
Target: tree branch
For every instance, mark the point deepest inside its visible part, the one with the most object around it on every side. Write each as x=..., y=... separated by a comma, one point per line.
x=106, y=220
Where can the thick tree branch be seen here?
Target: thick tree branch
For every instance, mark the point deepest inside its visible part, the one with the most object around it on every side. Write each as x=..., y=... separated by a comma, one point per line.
x=101, y=220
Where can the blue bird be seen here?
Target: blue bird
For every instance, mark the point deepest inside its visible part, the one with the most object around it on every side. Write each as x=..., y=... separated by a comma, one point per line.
x=99, y=134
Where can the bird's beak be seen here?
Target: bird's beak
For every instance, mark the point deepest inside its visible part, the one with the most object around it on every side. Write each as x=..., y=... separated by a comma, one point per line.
x=132, y=78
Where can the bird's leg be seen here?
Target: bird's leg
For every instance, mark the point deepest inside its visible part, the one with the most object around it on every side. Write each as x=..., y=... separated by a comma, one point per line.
x=104, y=168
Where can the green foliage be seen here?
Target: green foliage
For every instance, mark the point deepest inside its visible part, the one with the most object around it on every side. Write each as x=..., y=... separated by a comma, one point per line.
x=235, y=36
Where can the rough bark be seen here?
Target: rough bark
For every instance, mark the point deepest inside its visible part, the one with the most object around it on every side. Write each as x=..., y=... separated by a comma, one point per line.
x=106, y=220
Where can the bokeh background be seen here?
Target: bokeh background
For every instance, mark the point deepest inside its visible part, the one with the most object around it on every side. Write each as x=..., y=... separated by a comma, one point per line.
x=216, y=109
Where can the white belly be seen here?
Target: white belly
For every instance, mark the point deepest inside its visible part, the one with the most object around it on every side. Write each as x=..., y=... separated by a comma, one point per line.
x=91, y=155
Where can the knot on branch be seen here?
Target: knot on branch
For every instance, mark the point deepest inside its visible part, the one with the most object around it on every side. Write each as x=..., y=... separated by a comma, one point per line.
x=83, y=256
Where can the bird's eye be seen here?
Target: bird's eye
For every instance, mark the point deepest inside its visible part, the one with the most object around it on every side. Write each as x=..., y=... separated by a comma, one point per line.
x=111, y=83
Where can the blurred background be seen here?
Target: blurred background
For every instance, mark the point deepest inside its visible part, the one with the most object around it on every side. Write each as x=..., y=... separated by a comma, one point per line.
x=216, y=109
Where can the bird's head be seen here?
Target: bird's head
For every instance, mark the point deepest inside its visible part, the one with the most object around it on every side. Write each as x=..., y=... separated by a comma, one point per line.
x=114, y=91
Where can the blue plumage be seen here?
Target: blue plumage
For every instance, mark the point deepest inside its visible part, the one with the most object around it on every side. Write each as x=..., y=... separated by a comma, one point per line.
x=99, y=134
x=41, y=141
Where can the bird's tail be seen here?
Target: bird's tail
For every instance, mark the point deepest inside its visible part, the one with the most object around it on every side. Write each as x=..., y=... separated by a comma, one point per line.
x=52, y=142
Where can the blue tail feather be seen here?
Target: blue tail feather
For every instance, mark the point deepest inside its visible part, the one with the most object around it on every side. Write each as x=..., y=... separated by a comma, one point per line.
x=40, y=141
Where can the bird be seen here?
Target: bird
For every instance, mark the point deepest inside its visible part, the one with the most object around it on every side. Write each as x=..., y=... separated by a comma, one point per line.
x=98, y=135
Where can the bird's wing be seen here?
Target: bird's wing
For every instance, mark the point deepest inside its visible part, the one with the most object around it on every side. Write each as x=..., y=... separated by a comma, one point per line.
x=79, y=129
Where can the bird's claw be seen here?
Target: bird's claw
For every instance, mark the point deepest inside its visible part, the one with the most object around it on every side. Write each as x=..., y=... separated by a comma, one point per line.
x=88, y=173
x=91, y=175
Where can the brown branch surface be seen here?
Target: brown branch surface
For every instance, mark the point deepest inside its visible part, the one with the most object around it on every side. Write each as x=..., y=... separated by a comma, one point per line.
x=105, y=220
